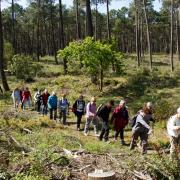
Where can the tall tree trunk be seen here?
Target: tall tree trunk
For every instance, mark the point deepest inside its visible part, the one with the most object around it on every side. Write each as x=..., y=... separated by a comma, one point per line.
x=13, y=28
x=177, y=39
x=38, y=30
x=2, y=73
x=78, y=26
x=148, y=34
x=96, y=20
x=137, y=33
x=108, y=23
x=89, y=19
x=53, y=38
x=178, y=31
x=62, y=34
x=172, y=36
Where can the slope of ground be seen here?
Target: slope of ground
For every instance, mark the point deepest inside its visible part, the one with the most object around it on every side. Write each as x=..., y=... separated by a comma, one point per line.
x=33, y=147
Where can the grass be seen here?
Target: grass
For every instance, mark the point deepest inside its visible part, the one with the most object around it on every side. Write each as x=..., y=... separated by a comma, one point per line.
x=137, y=86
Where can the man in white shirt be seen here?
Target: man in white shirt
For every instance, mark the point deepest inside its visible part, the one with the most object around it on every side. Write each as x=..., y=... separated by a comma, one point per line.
x=173, y=128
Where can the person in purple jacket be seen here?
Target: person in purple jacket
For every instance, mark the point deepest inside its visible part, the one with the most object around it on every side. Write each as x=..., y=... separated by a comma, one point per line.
x=91, y=116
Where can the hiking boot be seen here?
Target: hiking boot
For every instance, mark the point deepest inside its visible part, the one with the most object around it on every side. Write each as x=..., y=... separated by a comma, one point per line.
x=78, y=129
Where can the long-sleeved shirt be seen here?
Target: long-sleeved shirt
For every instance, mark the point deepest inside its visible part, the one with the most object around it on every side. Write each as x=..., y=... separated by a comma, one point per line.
x=140, y=119
x=172, y=125
x=104, y=113
x=91, y=109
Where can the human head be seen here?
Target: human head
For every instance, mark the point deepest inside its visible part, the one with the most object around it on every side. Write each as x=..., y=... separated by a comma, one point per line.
x=122, y=103
x=149, y=105
x=63, y=95
x=178, y=113
x=54, y=93
x=81, y=97
x=93, y=100
x=27, y=89
x=46, y=91
x=111, y=103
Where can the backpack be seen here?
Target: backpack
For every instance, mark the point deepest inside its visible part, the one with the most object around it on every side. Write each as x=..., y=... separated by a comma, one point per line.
x=98, y=109
x=133, y=120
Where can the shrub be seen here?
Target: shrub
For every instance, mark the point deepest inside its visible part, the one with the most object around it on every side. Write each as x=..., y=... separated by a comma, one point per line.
x=8, y=53
x=24, y=68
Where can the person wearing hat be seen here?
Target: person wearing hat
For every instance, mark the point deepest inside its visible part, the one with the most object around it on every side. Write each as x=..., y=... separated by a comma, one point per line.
x=103, y=114
x=173, y=129
x=79, y=109
x=63, y=106
x=120, y=120
x=91, y=116
x=52, y=105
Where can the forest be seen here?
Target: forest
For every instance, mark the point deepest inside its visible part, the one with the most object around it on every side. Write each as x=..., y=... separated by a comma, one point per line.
x=130, y=54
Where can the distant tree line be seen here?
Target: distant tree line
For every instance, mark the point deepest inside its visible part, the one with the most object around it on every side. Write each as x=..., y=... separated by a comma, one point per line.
x=44, y=27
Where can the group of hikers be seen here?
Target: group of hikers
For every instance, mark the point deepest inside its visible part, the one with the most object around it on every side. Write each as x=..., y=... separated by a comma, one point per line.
x=44, y=103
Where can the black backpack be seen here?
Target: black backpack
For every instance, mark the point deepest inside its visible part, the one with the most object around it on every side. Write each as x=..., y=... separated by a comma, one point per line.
x=133, y=120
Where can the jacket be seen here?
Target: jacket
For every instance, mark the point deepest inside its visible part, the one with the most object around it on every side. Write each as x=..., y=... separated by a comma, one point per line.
x=120, y=117
x=52, y=101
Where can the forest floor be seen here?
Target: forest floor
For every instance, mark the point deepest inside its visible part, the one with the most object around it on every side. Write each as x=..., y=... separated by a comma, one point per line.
x=33, y=147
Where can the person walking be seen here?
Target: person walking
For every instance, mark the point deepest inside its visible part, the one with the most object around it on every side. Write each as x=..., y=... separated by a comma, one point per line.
x=63, y=106
x=120, y=120
x=52, y=105
x=173, y=129
x=45, y=96
x=38, y=100
x=91, y=116
x=103, y=114
x=16, y=96
x=79, y=110
x=26, y=98
x=142, y=130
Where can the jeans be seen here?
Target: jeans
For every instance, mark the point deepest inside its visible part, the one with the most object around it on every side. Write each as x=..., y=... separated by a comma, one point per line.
x=62, y=114
x=53, y=113
x=88, y=122
x=44, y=109
x=25, y=102
x=16, y=101
x=104, y=131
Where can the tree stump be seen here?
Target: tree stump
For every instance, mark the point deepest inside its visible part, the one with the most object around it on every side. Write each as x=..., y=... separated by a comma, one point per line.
x=100, y=175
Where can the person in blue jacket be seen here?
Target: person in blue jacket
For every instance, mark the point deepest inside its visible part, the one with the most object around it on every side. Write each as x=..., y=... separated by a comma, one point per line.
x=52, y=105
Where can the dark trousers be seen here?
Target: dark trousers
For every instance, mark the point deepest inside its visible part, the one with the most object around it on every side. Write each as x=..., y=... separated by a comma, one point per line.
x=53, y=113
x=79, y=117
x=38, y=106
x=143, y=134
x=117, y=132
x=104, y=131
x=44, y=109
x=62, y=115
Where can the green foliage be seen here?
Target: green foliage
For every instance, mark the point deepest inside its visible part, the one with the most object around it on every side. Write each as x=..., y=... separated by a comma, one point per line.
x=8, y=53
x=90, y=56
x=24, y=68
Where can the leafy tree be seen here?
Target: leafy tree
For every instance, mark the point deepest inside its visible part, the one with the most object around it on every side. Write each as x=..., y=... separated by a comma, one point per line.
x=24, y=68
x=93, y=57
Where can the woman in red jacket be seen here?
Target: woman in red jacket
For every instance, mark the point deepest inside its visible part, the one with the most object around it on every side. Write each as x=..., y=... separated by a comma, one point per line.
x=120, y=118
x=26, y=98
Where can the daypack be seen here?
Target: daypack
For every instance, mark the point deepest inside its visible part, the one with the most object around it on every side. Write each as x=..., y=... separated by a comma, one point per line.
x=98, y=109
x=133, y=120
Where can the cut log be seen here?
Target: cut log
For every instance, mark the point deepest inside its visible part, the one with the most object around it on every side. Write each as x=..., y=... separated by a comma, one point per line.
x=100, y=175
